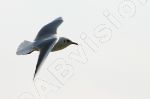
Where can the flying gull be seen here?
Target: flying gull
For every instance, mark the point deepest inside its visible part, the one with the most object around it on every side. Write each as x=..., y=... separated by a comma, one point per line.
x=46, y=41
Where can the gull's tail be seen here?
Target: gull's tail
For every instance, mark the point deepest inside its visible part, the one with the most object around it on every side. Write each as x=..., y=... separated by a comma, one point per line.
x=26, y=47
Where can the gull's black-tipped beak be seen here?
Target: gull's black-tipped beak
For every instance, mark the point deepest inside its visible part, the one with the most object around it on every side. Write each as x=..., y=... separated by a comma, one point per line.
x=74, y=43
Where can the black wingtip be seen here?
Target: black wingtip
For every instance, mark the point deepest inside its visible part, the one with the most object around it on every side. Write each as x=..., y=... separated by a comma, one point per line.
x=59, y=18
x=33, y=77
x=35, y=74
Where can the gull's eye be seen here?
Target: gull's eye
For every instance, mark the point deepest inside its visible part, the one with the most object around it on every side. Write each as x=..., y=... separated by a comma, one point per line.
x=68, y=41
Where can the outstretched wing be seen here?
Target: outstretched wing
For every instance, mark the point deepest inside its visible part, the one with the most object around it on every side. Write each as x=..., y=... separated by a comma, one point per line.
x=48, y=45
x=49, y=29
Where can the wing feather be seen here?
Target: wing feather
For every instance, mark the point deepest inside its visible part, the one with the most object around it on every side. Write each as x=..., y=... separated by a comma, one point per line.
x=48, y=45
x=49, y=29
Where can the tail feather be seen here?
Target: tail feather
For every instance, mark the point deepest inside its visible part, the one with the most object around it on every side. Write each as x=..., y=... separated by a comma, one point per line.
x=24, y=48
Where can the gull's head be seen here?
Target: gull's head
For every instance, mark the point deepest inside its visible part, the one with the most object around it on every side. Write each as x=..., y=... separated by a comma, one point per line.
x=63, y=43
x=66, y=42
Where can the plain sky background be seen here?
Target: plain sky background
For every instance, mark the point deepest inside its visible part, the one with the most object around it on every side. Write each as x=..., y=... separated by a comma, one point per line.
x=115, y=66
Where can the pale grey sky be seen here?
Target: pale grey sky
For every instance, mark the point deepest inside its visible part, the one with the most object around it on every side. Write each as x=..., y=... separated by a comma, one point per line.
x=112, y=61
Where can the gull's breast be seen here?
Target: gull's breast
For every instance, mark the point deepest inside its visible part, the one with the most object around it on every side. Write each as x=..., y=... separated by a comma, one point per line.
x=59, y=45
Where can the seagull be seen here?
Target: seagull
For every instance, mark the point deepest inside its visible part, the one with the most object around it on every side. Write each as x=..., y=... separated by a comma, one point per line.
x=46, y=41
